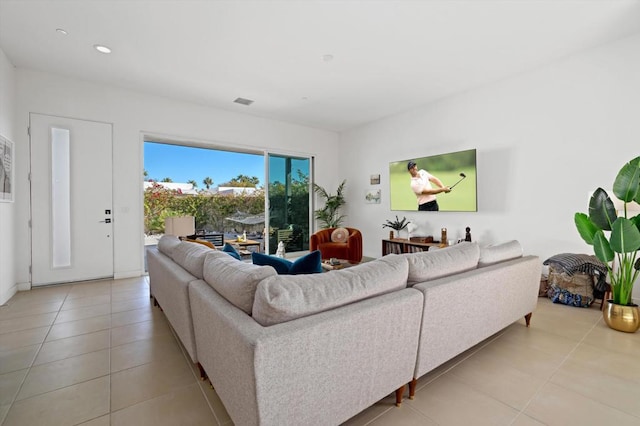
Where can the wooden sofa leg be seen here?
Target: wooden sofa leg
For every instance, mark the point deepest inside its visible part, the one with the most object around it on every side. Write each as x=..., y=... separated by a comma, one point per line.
x=203, y=374
x=399, y=393
x=527, y=318
x=412, y=388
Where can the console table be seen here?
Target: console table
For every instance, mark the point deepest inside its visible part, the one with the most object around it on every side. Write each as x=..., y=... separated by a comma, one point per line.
x=402, y=245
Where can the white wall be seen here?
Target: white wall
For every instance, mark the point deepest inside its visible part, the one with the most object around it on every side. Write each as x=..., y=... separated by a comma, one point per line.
x=545, y=139
x=7, y=210
x=133, y=114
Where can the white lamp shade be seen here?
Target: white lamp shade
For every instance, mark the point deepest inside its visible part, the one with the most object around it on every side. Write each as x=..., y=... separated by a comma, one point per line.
x=180, y=226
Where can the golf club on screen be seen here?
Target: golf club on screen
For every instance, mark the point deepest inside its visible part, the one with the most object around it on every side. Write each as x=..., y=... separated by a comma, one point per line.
x=463, y=176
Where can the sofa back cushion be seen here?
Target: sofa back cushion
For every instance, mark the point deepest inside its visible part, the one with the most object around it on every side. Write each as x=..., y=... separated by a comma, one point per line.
x=167, y=244
x=283, y=298
x=499, y=253
x=429, y=265
x=191, y=257
x=233, y=280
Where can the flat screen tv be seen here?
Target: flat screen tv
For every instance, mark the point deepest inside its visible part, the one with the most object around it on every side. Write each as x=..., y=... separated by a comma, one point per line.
x=456, y=170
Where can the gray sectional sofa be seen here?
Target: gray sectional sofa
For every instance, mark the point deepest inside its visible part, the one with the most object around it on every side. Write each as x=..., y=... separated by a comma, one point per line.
x=318, y=349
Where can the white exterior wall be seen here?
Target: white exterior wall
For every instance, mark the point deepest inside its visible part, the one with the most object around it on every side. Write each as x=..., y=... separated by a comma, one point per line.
x=7, y=210
x=545, y=139
x=132, y=115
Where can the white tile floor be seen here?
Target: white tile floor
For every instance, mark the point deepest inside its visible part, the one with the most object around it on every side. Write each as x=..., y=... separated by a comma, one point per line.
x=99, y=353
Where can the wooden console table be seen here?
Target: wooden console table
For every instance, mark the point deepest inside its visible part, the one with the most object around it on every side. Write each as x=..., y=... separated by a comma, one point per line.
x=402, y=245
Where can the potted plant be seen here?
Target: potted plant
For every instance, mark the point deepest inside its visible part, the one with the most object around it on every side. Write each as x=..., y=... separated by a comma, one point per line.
x=329, y=215
x=621, y=245
x=397, y=224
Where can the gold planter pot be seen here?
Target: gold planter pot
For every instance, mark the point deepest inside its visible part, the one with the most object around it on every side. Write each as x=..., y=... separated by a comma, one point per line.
x=622, y=317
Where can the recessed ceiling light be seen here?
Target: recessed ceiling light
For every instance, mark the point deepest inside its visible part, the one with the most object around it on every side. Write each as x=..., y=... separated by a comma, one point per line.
x=61, y=31
x=243, y=101
x=102, y=49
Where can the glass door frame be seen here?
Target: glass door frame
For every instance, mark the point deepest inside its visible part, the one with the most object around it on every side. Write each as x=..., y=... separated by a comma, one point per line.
x=267, y=198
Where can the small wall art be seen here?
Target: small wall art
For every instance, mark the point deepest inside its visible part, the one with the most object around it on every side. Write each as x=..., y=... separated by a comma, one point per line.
x=372, y=196
x=375, y=179
x=6, y=170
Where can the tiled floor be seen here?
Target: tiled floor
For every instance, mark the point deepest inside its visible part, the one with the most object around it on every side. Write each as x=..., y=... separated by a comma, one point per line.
x=98, y=354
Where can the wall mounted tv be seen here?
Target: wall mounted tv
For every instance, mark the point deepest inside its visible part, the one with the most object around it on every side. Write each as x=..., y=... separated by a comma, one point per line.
x=456, y=170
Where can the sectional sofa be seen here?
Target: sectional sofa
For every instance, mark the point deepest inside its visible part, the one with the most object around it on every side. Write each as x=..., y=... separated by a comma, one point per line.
x=318, y=349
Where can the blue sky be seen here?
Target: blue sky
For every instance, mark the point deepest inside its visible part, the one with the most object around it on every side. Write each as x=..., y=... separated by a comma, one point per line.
x=181, y=164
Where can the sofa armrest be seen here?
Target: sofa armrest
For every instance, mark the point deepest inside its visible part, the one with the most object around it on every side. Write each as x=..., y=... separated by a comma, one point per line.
x=324, y=368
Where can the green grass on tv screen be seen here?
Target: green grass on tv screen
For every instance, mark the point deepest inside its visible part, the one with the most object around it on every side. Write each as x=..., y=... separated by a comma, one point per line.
x=447, y=168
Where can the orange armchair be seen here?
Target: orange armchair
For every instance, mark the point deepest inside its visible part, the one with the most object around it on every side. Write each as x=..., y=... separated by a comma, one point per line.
x=350, y=250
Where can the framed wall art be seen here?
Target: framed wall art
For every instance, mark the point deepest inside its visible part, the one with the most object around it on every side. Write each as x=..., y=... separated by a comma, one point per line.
x=7, y=187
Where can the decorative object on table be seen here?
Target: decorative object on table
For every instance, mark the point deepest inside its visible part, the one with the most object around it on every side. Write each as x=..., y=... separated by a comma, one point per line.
x=397, y=225
x=443, y=237
x=467, y=235
x=622, y=246
x=280, y=251
x=374, y=179
x=372, y=196
x=329, y=215
x=6, y=170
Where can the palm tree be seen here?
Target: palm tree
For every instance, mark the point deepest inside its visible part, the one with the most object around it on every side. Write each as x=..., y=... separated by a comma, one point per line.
x=207, y=182
x=167, y=179
x=193, y=183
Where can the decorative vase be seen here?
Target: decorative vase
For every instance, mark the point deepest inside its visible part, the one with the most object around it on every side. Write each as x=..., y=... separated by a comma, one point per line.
x=622, y=317
x=391, y=235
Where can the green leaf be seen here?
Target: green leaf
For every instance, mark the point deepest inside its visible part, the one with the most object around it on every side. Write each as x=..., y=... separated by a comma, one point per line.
x=586, y=228
x=602, y=248
x=601, y=210
x=625, y=236
x=627, y=184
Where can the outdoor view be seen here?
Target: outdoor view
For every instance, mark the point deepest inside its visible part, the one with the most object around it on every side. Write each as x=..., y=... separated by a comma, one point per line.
x=225, y=193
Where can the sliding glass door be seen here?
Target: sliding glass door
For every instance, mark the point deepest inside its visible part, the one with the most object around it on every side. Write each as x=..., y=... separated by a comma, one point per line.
x=289, y=202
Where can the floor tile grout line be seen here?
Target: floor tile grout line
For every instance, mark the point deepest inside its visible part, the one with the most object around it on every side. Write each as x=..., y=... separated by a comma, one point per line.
x=560, y=365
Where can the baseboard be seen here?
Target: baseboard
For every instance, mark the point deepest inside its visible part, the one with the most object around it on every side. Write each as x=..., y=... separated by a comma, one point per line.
x=23, y=286
x=128, y=274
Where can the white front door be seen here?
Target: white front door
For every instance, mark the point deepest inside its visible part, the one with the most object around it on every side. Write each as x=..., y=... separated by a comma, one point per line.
x=71, y=197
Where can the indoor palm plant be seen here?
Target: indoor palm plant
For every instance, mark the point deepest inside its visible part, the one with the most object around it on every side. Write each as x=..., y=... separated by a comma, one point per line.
x=622, y=243
x=329, y=215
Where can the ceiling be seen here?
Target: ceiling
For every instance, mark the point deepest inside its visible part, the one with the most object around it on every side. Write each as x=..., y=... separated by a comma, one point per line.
x=388, y=56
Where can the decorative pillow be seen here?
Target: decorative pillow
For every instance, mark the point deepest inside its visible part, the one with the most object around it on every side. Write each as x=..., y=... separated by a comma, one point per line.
x=339, y=235
x=167, y=244
x=281, y=265
x=284, y=298
x=231, y=251
x=233, y=280
x=203, y=242
x=500, y=253
x=308, y=264
x=429, y=265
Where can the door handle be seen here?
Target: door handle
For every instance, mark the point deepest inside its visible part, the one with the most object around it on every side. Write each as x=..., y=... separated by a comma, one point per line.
x=105, y=221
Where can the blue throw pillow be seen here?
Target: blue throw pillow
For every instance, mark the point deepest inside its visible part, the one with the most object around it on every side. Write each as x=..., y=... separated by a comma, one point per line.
x=308, y=264
x=281, y=265
x=229, y=249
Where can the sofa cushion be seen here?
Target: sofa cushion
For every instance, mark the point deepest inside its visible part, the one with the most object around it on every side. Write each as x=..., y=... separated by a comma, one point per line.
x=233, y=280
x=429, y=265
x=167, y=243
x=191, y=257
x=231, y=251
x=499, y=253
x=308, y=264
x=283, y=298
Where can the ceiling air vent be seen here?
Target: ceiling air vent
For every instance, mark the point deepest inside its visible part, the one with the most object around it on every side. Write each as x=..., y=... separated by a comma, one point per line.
x=243, y=101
